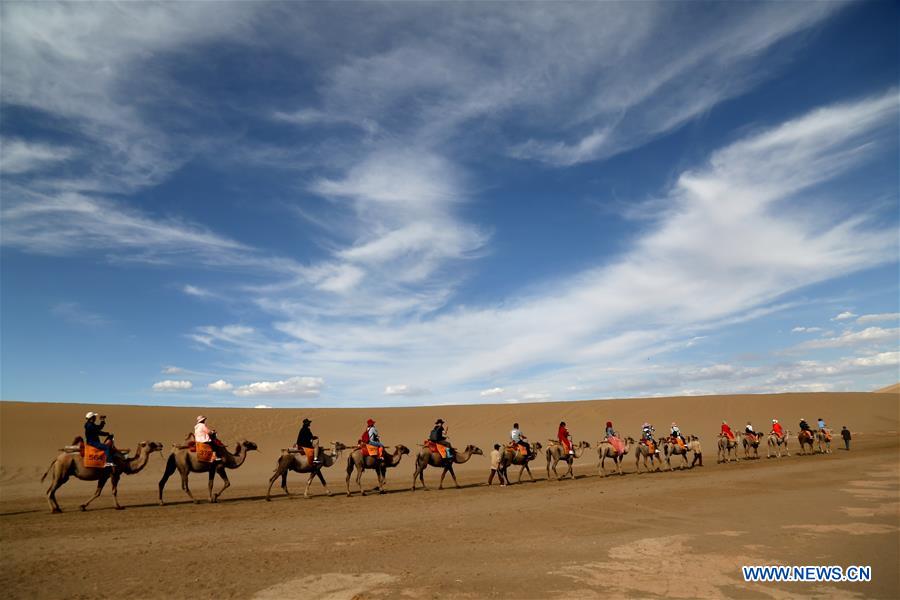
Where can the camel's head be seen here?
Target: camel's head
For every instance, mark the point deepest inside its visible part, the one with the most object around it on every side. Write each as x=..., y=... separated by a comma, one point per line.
x=584, y=445
x=537, y=446
x=248, y=445
x=338, y=446
x=630, y=440
x=474, y=449
x=152, y=446
x=402, y=449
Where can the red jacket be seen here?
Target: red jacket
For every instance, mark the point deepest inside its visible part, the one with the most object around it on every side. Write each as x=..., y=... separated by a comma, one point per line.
x=563, y=434
x=778, y=430
x=727, y=430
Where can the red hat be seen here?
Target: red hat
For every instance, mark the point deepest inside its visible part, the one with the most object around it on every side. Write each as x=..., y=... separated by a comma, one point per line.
x=370, y=422
x=609, y=423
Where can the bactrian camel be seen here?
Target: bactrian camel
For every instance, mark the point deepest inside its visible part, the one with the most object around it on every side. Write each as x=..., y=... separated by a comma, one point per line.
x=806, y=440
x=642, y=454
x=514, y=457
x=728, y=449
x=71, y=464
x=428, y=458
x=556, y=452
x=357, y=461
x=672, y=448
x=751, y=444
x=298, y=462
x=185, y=462
x=605, y=450
x=775, y=443
x=823, y=442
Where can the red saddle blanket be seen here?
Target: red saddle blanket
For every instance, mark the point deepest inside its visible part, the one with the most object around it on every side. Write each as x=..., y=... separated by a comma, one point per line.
x=617, y=444
x=517, y=448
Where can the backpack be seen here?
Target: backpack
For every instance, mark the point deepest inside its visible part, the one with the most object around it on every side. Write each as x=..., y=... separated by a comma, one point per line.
x=437, y=434
x=365, y=436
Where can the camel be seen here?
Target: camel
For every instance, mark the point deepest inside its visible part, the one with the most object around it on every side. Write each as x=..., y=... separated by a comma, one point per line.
x=357, y=461
x=428, y=458
x=297, y=461
x=605, y=450
x=514, y=457
x=751, y=445
x=69, y=464
x=775, y=443
x=642, y=453
x=727, y=448
x=672, y=448
x=823, y=442
x=806, y=440
x=556, y=452
x=185, y=462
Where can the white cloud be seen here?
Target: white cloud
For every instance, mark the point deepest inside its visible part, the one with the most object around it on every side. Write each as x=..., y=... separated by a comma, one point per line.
x=869, y=336
x=405, y=390
x=494, y=391
x=171, y=385
x=172, y=370
x=806, y=329
x=844, y=316
x=22, y=156
x=295, y=386
x=220, y=385
x=192, y=290
x=878, y=318
x=262, y=406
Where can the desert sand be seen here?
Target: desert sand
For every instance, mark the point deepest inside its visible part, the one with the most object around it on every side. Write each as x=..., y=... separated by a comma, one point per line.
x=682, y=534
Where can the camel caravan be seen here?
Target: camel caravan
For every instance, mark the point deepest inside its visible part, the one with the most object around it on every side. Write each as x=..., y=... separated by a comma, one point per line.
x=90, y=459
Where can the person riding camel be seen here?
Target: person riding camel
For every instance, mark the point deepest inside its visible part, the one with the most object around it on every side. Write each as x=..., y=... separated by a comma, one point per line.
x=205, y=435
x=749, y=432
x=565, y=438
x=647, y=437
x=370, y=436
x=726, y=431
x=777, y=429
x=824, y=429
x=614, y=440
x=678, y=436
x=92, y=432
x=518, y=437
x=438, y=436
x=306, y=439
x=805, y=428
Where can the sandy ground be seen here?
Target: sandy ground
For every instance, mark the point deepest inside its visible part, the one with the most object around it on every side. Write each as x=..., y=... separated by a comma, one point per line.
x=683, y=534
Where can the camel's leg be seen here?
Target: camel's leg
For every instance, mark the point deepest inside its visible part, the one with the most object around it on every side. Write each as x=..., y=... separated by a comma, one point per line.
x=359, y=474
x=309, y=483
x=349, y=472
x=453, y=475
x=527, y=468
x=170, y=469
x=324, y=483
x=418, y=474
x=272, y=482
x=57, y=482
x=211, y=482
x=227, y=483
x=100, y=483
x=115, y=491
x=185, y=473
x=555, y=472
x=571, y=471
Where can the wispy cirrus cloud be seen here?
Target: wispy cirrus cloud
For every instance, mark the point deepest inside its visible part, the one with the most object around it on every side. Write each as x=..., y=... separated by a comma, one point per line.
x=75, y=313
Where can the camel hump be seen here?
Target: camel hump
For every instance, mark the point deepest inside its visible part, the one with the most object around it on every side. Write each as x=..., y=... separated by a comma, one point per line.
x=77, y=441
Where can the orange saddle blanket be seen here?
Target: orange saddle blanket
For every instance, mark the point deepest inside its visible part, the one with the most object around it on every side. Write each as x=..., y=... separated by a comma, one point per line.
x=437, y=448
x=650, y=445
x=93, y=457
x=204, y=452
x=370, y=450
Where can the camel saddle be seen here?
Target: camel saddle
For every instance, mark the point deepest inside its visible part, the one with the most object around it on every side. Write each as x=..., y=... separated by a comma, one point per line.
x=517, y=448
x=370, y=450
x=807, y=434
x=650, y=445
x=752, y=438
x=436, y=448
x=204, y=451
x=93, y=457
x=677, y=440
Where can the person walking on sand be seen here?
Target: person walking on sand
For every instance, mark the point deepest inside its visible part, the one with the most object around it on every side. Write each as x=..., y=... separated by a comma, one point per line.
x=495, y=467
x=845, y=433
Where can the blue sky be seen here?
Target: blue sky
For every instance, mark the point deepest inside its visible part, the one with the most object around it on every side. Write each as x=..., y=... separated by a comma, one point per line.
x=344, y=204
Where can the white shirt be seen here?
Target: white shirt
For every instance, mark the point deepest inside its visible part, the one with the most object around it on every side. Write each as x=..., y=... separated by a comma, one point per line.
x=201, y=433
x=516, y=435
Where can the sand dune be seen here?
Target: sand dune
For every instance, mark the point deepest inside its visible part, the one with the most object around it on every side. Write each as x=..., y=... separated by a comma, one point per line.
x=683, y=534
x=32, y=432
x=891, y=389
